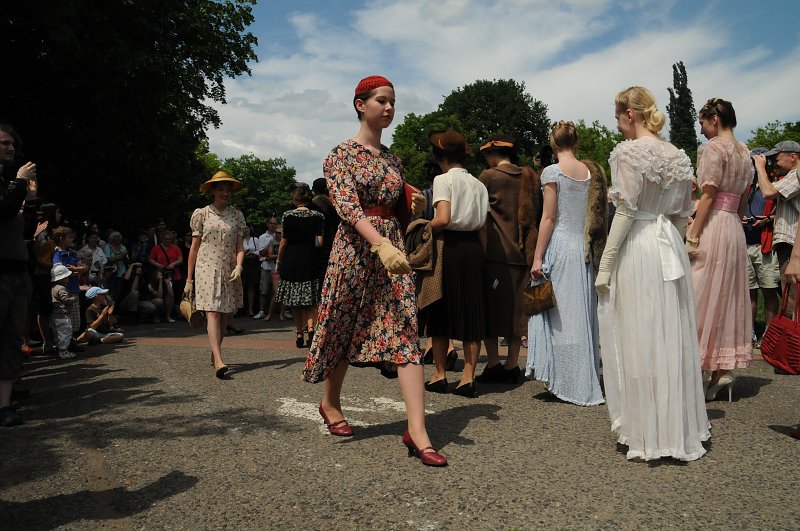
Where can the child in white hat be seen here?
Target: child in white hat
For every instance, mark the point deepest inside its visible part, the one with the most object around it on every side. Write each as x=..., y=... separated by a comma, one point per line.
x=63, y=302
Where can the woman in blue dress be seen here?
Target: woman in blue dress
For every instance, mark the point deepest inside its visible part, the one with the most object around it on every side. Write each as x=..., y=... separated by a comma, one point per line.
x=563, y=342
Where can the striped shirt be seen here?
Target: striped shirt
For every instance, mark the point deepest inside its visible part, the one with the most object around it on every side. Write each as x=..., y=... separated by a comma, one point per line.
x=787, y=211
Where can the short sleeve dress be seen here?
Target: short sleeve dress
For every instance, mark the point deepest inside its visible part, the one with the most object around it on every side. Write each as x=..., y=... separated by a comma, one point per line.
x=299, y=277
x=216, y=258
x=719, y=274
x=648, y=331
x=564, y=340
x=367, y=316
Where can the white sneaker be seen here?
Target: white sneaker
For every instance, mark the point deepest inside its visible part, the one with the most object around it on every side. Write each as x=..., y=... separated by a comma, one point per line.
x=67, y=355
x=259, y=315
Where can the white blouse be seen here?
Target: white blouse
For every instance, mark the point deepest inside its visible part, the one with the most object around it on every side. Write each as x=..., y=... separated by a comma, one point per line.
x=468, y=198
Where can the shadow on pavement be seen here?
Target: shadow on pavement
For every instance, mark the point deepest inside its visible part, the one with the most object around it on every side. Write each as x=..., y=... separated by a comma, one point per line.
x=237, y=368
x=783, y=430
x=444, y=427
x=110, y=504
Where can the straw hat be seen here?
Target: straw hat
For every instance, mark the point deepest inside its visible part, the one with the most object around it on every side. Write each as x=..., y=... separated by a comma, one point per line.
x=220, y=177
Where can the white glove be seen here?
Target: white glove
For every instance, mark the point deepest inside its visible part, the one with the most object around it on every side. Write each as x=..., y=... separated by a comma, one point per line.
x=623, y=220
x=236, y=273
x=418, y=203
x=187, y=289
x=392, y=258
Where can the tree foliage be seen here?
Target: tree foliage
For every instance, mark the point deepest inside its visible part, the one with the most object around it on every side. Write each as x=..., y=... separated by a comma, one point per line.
x=266, y=185
x=682, y=114
x=774, y=132
x=410, y=142
x=478, y=110
x=596, y=142
x=112, y=98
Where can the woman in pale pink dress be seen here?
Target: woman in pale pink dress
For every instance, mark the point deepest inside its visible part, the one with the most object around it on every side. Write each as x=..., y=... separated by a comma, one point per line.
x=717, y=250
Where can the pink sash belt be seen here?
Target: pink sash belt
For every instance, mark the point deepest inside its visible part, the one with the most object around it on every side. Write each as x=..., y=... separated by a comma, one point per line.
x=726, y=201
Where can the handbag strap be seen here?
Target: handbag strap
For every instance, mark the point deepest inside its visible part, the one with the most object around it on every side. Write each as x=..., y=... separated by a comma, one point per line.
x=785, y=299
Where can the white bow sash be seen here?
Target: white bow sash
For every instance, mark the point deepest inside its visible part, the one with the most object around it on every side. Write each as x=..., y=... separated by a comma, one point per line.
x=669, y=245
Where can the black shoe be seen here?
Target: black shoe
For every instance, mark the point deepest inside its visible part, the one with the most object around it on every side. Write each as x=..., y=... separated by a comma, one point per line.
x=9, y=417
x=310, y=338
x=427, y=358
x=299, y=341
x=75, y=347
x=512, y=375
x=439, y=386
x=494, y=374
x=450, y=361
x=18, y=393
x=466, y=390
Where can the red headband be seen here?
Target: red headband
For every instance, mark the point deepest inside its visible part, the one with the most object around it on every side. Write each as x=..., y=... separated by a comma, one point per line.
x=371, y=83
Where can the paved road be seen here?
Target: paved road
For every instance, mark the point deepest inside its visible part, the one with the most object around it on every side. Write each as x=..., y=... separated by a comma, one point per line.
x=141, y=436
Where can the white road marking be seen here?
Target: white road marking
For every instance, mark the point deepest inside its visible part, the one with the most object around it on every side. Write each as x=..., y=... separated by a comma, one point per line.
x=291, y=407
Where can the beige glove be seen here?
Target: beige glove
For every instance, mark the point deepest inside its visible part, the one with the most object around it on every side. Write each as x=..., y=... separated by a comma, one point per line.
x=418, y=203
x=236, y=274
x=623, y=220
x=392, y=258
x=187, y=289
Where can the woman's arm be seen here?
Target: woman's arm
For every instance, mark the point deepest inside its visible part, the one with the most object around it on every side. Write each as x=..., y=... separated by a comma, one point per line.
x=240, y=251
x=441, y=218
x=703, y=211
x=549, y=206
x=192, y=257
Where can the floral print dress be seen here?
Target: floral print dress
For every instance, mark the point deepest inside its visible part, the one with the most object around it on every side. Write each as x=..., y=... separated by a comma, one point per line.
x=216, y=258
x=367, y=316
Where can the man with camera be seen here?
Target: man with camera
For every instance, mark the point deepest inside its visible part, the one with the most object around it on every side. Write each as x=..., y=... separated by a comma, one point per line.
x=762, y=265
x=785, y=157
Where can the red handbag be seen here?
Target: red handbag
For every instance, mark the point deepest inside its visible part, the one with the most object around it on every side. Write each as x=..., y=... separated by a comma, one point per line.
x=780, y=346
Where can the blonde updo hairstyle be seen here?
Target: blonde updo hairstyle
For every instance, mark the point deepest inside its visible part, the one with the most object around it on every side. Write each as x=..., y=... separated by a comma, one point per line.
x=563, y=136
x=642, y=102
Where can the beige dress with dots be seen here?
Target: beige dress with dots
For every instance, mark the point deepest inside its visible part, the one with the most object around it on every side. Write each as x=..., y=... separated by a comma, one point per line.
x=216, y=258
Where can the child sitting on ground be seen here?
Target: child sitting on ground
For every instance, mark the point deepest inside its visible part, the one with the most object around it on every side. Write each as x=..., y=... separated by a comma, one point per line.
x=100, y=319
x=63, y=304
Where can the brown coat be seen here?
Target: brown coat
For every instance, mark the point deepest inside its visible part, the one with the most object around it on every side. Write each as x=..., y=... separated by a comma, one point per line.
x=530, y=212
x=500, y=234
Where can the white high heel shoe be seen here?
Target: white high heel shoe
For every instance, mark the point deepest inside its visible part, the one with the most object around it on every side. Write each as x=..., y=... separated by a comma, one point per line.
x=723, y=382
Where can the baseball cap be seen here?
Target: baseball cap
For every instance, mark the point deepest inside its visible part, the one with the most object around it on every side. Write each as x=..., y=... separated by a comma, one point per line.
x=95, y=291
x=59, y=271
x=786, y=146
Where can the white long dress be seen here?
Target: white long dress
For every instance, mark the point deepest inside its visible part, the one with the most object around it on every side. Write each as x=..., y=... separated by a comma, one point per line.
x=648, y=330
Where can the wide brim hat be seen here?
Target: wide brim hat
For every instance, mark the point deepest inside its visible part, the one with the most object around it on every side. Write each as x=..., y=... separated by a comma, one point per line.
x=220, y=177
x=498, y=142
x=59, y=272
x=450, y=142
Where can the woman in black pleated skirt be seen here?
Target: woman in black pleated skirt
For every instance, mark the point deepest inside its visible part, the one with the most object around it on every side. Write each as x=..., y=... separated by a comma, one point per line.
x=461, y=204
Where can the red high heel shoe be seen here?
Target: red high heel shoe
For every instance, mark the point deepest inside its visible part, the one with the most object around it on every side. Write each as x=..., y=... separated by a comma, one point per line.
x=341, y=428
x=427, y=455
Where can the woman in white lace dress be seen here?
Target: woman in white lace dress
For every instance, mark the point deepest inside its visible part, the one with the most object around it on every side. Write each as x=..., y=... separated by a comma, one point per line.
x=648, y=330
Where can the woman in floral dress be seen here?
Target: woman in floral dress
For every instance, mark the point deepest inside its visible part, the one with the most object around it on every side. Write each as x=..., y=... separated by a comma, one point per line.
x=215, y=261
x=368, y=312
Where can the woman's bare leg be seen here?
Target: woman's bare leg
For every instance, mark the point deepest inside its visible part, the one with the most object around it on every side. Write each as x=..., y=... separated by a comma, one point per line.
x=412, y=385
x=332, y=392
x=215, y=326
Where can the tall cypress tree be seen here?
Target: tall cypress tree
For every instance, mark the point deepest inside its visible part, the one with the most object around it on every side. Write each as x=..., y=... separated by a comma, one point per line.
x=682, y=114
